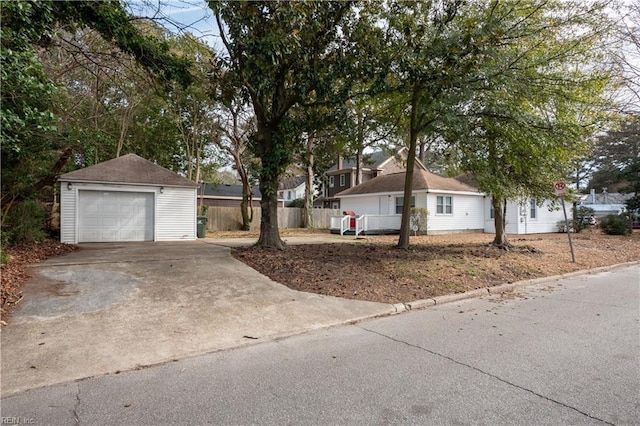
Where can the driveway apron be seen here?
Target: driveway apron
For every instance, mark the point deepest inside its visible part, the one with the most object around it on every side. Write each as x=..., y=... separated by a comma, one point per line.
x=107, y=308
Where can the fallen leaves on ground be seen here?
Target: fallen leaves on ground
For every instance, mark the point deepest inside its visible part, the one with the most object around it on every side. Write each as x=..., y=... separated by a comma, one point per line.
x=14, y=273
x=374, y=269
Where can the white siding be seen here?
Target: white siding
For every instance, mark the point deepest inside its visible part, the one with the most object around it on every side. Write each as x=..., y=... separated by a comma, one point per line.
x=176, y=214
x=362, y=205
x=489, y=225
x=468, y=213
x=519, y=221
x=298, y=191
x=68, y=213
x=378, y=204
x=512, y=218
x=175, y=210
x=547, y=219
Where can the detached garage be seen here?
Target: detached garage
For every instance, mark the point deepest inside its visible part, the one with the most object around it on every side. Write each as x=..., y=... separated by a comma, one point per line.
x=126, y=199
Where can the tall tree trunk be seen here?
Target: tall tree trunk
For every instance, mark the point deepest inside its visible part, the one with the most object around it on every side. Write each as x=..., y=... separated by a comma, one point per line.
x=422, y=150
x=307, y=211
x=96, y=106
x=359, y=157
x=359, y=153
x=269, y=232
x=246, y=209
x=272, y=163
x=499, y=205
x=405, y=228
x=124, y=127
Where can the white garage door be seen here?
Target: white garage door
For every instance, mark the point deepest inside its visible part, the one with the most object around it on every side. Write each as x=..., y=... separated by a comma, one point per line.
x=114, y=216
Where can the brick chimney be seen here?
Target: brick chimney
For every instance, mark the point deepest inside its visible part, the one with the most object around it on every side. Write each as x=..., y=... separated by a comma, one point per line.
x=340, y=162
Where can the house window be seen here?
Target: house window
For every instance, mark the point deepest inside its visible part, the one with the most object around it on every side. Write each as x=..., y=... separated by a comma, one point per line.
x=331, y=181
x=444, y=204
x=491, y=213
x=533, y=208
x=288, y=195
x=400, y=204
x=341, y=180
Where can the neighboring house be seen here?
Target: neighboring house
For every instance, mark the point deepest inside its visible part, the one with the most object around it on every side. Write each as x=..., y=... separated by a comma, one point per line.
x=453, y=206
x=224, y=195
x=291, y=188
x=343, y=175
x=126, y=199
x=605, y=203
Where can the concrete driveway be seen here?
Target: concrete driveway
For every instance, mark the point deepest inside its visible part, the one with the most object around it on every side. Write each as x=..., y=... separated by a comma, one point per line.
x=108, y=308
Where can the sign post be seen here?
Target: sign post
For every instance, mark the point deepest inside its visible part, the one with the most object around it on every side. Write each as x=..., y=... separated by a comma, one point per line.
x=560, y=189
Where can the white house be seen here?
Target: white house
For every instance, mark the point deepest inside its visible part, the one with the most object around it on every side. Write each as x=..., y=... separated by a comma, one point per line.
x=126, y=199
x=453, y=206
x=291, y=188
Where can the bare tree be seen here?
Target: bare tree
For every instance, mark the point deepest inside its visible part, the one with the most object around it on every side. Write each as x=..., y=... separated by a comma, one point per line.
x=235, y=127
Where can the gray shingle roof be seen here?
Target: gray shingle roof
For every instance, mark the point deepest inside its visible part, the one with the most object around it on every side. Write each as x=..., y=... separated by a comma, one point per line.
x=608, y=198
x=223, y=190
x=394, y=182
x=129, y=168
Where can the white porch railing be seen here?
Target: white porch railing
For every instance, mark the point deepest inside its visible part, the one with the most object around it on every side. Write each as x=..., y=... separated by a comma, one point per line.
x=380, y=222
x=345, y=224
x=360, y=224
x=366, y=223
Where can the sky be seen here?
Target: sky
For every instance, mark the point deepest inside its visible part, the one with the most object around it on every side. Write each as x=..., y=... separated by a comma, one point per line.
x=196, y=17
x=193, y=16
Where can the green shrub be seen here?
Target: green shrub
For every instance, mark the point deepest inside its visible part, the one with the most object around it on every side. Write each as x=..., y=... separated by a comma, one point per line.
x=24, y=223
x=298, y=202
x=4, y=257
x=615, y=225
x=582, y=218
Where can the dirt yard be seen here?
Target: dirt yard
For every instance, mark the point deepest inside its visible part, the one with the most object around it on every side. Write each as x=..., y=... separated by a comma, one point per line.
x=373, y=269
x=14, y=273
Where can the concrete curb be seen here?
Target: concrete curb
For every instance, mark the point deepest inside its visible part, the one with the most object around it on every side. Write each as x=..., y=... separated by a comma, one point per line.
x=504, y=288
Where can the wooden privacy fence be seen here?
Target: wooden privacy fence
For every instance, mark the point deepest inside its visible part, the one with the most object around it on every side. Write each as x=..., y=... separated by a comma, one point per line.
x=230, y=219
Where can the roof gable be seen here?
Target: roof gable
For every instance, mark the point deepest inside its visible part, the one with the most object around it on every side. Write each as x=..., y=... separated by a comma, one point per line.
x=369, y=161
x=377, y=160
x=394, y=182
x=131, y=169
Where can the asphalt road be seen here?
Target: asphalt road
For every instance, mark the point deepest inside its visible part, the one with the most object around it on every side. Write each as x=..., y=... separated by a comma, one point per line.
x=563, y=353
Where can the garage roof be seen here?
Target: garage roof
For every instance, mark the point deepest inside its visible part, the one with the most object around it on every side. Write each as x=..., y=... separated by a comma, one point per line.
x=129, y=168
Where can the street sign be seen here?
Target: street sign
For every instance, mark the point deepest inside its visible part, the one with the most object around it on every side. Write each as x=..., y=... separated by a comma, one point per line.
x=560, y=189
